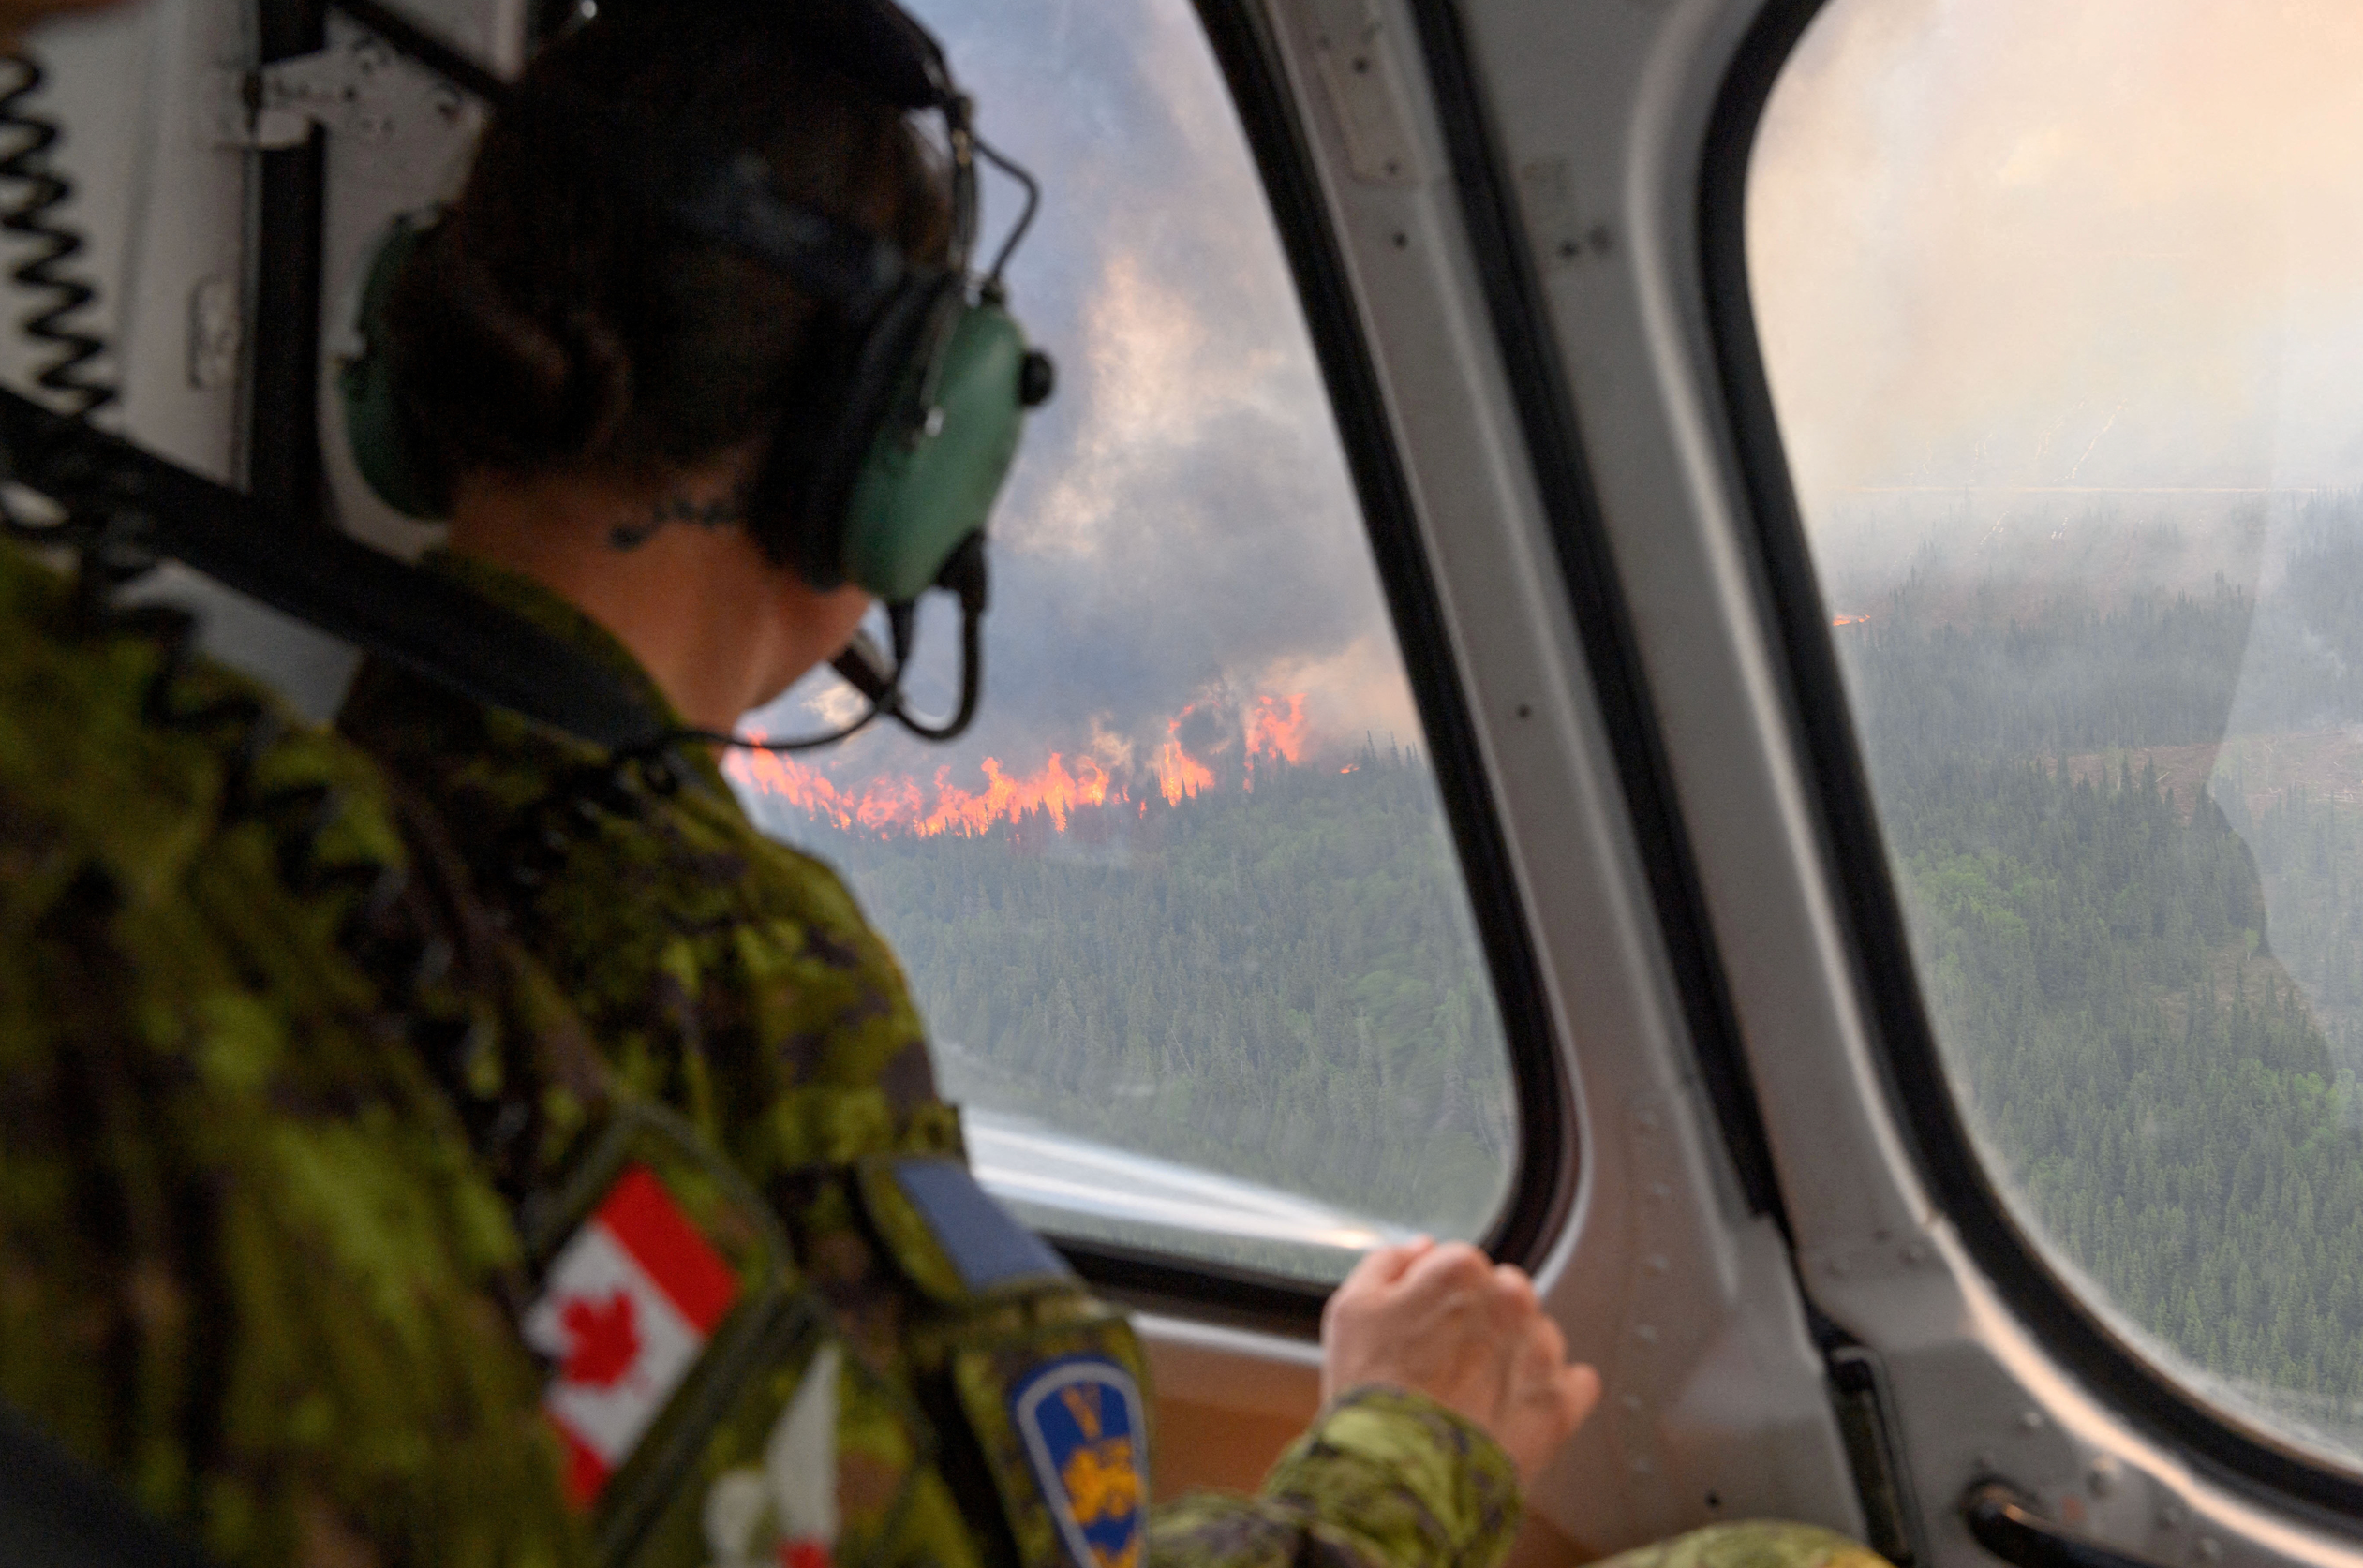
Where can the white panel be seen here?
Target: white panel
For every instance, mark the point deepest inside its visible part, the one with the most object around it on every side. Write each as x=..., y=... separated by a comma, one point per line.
x=162, y=209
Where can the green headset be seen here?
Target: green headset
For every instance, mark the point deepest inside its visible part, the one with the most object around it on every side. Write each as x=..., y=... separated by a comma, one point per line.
x=895, y=495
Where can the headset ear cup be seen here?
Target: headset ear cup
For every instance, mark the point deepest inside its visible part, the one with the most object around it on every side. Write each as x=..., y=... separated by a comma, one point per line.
x=922, y=494
x=883, y=374
x=375, y=427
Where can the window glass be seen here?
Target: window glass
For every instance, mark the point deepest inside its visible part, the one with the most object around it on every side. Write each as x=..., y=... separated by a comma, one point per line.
x=1183, y=911
x=2062, y=308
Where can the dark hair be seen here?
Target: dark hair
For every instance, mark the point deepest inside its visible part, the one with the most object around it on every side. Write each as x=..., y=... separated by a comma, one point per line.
x=552, y=322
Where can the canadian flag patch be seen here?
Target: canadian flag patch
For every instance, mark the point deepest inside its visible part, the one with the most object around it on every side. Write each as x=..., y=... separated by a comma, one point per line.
x=625, y=1311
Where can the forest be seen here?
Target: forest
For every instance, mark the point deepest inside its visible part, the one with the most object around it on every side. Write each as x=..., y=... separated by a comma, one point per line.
x=1280, y=984
x=2148, y=990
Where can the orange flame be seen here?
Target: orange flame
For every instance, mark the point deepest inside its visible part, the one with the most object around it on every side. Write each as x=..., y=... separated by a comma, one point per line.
x=1270, y=732
x=1005, y=799
x=1850, y=620
x=1273, y=728
x=897, y=804
x=1179, y=774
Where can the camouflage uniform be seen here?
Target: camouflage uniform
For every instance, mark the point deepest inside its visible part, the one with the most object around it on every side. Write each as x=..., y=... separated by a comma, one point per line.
x=247, y=1264
x=734, y=979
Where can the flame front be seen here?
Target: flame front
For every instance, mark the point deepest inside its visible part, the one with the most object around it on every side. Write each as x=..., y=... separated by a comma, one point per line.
x=1272, y=730
x=1179, y=774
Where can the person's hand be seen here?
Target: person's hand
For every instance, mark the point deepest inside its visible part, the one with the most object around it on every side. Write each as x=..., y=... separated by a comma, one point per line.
x=1468, y=1333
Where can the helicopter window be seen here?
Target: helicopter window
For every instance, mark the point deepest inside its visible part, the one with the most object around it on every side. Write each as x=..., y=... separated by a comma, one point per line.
x=1183, y=911
x=2059, y=310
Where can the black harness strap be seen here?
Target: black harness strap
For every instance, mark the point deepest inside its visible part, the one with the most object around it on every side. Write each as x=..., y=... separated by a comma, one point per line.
x=119, y=495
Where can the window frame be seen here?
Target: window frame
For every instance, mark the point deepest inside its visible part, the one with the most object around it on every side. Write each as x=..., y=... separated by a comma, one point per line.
x=2222, y=1443
x=1542, y=1182
x=1547, y=416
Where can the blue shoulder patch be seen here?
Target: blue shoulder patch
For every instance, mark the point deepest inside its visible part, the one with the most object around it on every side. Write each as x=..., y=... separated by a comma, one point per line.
x=984, y=1243
x=1086, y=1435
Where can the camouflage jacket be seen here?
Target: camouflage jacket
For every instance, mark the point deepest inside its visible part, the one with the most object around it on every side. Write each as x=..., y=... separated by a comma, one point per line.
x=735, y=980
x=247, y=1265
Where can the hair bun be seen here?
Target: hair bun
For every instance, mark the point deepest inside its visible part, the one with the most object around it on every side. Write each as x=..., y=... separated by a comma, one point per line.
x=488, y=379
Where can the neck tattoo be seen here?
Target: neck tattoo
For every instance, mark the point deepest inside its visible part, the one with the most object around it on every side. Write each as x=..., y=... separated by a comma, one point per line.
x=721, y=512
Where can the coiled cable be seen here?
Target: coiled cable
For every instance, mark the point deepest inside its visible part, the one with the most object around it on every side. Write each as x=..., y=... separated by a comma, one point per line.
x=71, y=373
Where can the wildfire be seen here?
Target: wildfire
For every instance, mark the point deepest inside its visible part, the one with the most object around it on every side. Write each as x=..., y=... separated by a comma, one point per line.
x=1269, y=728
x=1271, y=733
x=1179, y=774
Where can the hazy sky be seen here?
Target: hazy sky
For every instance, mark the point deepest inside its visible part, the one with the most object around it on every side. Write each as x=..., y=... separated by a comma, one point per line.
x=2112, y=242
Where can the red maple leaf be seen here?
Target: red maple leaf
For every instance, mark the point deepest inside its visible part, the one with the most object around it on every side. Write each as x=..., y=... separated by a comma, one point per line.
x=602, y=1340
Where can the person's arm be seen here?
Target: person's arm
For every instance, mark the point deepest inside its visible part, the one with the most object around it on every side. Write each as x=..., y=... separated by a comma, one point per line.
x=1443, y=1388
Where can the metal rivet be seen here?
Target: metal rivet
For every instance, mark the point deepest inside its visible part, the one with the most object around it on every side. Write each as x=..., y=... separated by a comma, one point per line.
x=1645, y=1332
x=2171, y=1516
x=2211, y=1548
x=2030, y=1420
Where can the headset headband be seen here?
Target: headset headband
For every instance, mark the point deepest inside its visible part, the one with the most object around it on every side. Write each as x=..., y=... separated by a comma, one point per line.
x=732, y=203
